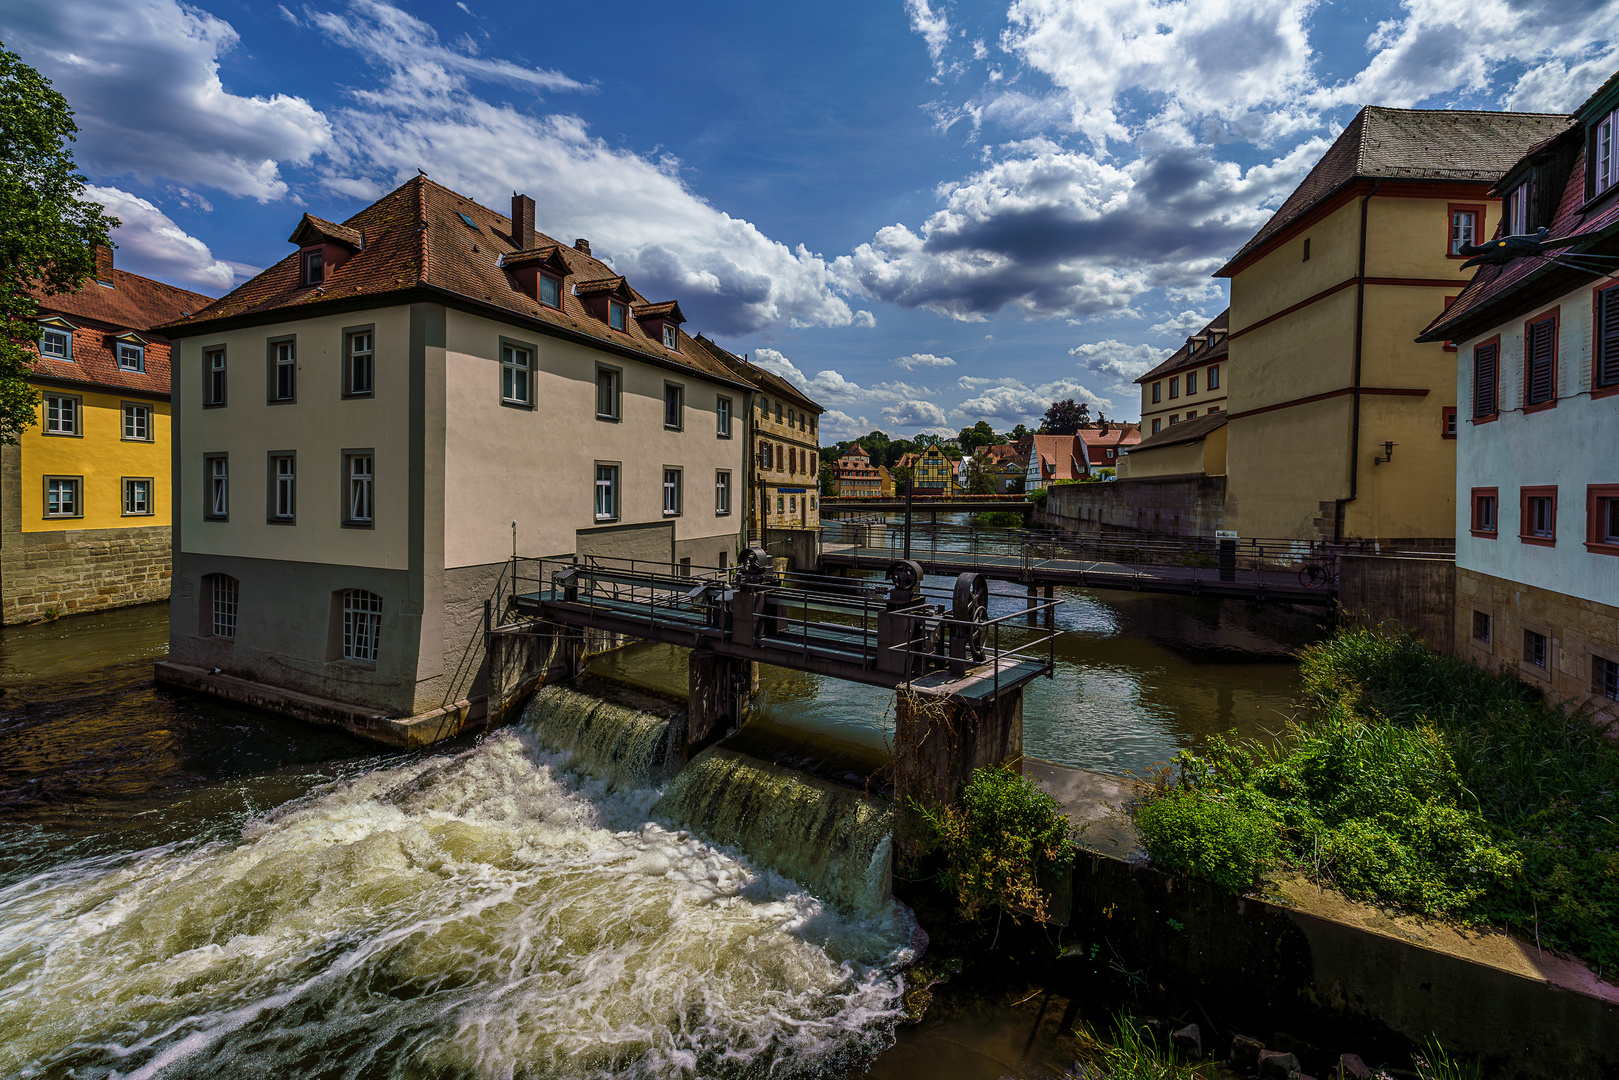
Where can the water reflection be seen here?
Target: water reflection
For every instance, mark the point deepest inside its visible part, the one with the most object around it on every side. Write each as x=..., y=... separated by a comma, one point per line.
x=1139, y=676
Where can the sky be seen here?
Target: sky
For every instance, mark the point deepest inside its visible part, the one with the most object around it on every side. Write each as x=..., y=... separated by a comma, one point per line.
x=925, y=213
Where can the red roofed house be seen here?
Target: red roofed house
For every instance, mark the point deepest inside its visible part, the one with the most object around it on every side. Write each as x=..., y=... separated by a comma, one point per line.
x=85, y=502
x=1055, y=457
x=368, y=430
x=1105, y=448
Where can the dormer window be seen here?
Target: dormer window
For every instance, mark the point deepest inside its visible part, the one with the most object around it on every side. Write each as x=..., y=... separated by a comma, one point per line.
x=131, y=356
x=1604, y=153
x=617, y=315
x=56, y=343
x=314, y=267
x=671, y=337
x=1515, y=210
x=550, y=291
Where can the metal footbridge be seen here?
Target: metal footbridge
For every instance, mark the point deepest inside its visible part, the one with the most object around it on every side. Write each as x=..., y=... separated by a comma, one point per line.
x=887, y=632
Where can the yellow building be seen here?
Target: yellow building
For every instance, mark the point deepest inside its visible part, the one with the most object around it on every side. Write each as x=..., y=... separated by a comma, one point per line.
x=1340, y=425
x=1195, y=447
x=932, y=471
x=1190, y=383
x=87, y=494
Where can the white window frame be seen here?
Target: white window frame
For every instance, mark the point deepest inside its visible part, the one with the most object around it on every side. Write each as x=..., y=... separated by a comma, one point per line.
x=141, y=506
x=362, y=625
x=67, y=343
x=62, y=414
x=64, y=496
x=137, y=422
x=516, y=374
x=314, y=266
x=1605, y=166
x=359, y=488
x=679, y=403
x=607, y=493
x=722, y=416
x=214, y=375
x=673, y=482
x=216, y=490
x=722, y=492
x=555, y=300
x=618, y=315
x=360, y=353
x=283, y=370
x=283, y=487
x=671, y=337
x=615, y=392
x=138, y=360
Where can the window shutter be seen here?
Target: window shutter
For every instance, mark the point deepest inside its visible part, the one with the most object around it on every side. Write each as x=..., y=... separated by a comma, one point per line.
x=1484, y=380
x=1538, y=361
x=1607, y=360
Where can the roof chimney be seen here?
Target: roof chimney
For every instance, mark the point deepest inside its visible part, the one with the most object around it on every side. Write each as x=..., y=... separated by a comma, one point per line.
x=582, y=244
x=522, y=222
x=104, y=265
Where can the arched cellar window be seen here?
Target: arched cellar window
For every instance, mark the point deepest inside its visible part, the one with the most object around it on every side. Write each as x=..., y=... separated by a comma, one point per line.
x=223, y=594
x=362, y=625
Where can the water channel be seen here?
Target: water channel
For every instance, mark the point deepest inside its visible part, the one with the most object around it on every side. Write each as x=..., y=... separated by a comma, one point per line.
x=188, y=888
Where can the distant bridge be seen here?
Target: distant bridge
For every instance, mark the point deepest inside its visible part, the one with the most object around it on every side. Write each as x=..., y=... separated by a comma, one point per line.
x=929, y=504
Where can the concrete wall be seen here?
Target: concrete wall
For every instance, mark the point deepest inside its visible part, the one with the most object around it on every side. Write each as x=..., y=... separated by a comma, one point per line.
x=1577, y=630
x=1206, y=456
x=1419, y=594
x=1178, y=506
x=800, y=547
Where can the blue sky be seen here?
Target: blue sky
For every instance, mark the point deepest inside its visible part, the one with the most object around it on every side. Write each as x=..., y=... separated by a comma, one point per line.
x=927, y=213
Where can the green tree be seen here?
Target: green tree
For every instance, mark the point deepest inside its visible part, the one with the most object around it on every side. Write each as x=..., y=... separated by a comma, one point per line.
x=1065, y=417
x=829, y=479
x=980, y=477
x=48, y=234
x=1017, y=433
x=980, y=434
x=902, y=478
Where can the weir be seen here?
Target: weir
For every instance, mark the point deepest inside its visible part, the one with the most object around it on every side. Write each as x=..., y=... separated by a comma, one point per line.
x=960, y=688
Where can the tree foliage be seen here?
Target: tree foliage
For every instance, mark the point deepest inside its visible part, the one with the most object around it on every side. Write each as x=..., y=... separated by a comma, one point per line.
x=980, y=476
x=1065, y=417
x=980, y=434
x=48, y=234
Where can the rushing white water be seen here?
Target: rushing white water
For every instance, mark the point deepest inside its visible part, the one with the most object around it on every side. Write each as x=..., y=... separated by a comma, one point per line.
x=486, y=914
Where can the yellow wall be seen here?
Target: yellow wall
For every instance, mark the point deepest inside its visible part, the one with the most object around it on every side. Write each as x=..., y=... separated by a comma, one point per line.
x=1286, y=463
x=1206, y=456
x=102, y=457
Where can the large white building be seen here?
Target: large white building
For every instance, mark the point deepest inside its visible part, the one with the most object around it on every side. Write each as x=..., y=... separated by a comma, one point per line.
x=1537, y=339
x=367, y=430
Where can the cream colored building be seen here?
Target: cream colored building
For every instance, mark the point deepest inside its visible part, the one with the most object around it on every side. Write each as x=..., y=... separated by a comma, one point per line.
x=1192, y=381
x=367, y=431
x=1341, y=425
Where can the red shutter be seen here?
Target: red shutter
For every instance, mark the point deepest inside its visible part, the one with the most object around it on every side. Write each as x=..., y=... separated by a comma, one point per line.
x=1606, y=367
x=1484, y=380
x=1538, y=361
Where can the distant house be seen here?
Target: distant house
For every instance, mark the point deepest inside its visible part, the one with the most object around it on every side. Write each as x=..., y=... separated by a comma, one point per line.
x=1192, y=381
x=857, y=477
x=1104, y=449
x=86, y=508
x=885, y=481
x=1055, y=457
x=933, y=472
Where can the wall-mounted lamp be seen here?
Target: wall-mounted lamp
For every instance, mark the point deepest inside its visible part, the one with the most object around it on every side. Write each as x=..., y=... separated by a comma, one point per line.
x=1387, y=455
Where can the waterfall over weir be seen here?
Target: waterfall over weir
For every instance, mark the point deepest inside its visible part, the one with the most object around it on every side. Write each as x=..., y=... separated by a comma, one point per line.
x=476, y=913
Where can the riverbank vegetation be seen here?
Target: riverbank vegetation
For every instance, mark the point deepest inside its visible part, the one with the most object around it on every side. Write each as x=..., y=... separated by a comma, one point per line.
x=1003, y=842
x=998, y=519
x=1418, y=781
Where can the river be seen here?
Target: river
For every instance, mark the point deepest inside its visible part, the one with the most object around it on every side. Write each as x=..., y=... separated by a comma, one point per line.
x=188, y=888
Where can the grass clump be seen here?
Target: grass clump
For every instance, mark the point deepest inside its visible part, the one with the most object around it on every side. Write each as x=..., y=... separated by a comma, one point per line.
x=1421, y=781
x=999, y=840
x=1131, y=1054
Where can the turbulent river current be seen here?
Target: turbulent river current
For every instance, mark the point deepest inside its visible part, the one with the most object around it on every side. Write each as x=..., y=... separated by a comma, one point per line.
x=543, y=903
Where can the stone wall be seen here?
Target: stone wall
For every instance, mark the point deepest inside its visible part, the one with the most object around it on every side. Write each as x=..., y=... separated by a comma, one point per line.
x=1576, y=629
x=1419, y=594
x=44, y=574
x=1173, y=505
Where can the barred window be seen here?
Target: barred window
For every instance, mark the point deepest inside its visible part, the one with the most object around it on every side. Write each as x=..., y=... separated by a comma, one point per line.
x=224, y=592
x=362, y=625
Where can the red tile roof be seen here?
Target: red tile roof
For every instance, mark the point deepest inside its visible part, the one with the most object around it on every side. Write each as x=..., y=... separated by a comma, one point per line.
x=1409, y=144
x=1059, y=457
x=417, y=246
x=132, y=303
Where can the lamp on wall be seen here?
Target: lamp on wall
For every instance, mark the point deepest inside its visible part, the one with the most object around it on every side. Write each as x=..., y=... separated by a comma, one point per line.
x=1387, y=455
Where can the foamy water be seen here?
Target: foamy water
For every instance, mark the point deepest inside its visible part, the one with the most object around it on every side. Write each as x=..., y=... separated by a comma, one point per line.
x=487, y=914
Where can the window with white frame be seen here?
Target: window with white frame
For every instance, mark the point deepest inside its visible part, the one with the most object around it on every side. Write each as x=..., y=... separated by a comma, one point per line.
x=213, y=365
x=131, y=356
x=671, y=492
x=283, y=487
x=283, y=370
x=671, y=336
x=673, y=405
x=1605, y=154
x=137, y=422
x=550, y=291
x=362, y=625
x=216, y=495
x=516, y=375
x=62, y=496
x=56, y=344
x=224, y=595
x=722, y=492
x=606, y=492
x=608, y=383
x=61, y=415
x=1463, y=228
x=616, y=314
x=137, y=496
x=1515, y=210
x=359, y=504
x=359, y=364
x=314, y=267
x=722, y=417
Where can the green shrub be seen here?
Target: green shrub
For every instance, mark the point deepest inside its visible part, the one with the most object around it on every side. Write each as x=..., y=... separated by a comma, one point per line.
x=1208, y=836
x=1038, y=496
x=998, y=519
x=999, y=840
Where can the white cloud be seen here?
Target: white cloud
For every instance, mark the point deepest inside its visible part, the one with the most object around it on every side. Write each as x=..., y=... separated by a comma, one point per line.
x=935, y=31
x=1440, y=47
x=831, y=387
x=143, y=79
x=914, y=414
x=836, y=425
x=923, y=360
x=1180, y=324
x=1012, y=402
x=1118, y=360
x=150, y=243
x=639, y=215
